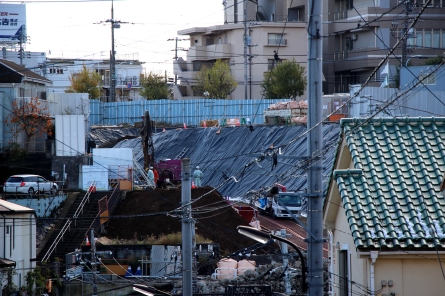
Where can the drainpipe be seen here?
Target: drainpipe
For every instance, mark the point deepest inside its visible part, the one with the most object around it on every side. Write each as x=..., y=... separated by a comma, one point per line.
x=331, y=261
x=4, y=236
x=374, y=255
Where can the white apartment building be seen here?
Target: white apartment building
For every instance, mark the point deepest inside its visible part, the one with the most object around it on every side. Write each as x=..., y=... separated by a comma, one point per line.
x=267, y=31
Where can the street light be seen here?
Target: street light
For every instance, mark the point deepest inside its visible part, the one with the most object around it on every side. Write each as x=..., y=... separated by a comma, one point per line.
x=264, y=237
x=148, y=290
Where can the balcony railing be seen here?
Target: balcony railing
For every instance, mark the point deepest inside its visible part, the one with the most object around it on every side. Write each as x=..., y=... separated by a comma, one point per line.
x=340, y=15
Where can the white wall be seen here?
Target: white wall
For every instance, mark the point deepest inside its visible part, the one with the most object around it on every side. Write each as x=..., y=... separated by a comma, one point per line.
x=70, y=135
x=20, y=244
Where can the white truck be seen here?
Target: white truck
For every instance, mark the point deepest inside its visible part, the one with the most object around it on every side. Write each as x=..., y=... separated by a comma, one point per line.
x=273, y=205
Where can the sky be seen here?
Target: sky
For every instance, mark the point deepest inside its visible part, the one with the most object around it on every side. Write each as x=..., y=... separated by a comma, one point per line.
x=73, y=29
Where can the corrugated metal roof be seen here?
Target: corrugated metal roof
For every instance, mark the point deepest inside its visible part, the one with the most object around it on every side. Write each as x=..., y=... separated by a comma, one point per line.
x=392, y=196
x=10, y=207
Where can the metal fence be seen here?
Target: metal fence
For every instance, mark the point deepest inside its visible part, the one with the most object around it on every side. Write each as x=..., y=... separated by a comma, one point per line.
x=190, y=112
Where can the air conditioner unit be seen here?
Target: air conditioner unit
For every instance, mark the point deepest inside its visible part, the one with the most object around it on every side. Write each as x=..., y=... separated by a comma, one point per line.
x=354, y=37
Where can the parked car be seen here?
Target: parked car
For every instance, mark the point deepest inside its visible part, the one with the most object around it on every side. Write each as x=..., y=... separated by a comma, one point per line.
x=29, y=184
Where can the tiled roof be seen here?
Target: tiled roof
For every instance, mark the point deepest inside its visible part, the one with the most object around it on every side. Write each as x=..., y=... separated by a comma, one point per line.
x=392, y=195
x=23, y=71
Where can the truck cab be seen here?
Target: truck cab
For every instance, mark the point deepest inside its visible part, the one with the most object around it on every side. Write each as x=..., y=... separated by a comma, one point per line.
x=274, y=205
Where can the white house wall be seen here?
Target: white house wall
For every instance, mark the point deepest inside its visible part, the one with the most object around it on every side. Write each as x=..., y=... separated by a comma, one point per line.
x=68, y=103
x=21, y=245
x=119, y=160
x=70, y=135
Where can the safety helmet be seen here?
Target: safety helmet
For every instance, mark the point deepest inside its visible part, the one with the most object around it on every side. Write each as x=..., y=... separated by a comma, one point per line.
x=197, y=167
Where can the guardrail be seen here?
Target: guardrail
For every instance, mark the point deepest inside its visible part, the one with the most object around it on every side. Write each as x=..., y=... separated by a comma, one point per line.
x=111, y=204
x=67, y=224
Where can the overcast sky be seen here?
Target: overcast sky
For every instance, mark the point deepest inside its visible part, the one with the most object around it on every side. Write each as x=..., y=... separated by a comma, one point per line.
x=67, y=28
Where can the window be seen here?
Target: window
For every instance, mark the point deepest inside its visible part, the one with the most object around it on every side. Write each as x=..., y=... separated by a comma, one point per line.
x=343, y=272
x=443, y=39
x=349, y=43
x=427, y=41
x=235, y=11
x=8, y=229
x=436, y=39
x=419, y=39
x=430, y=80
x=276, y=39
x=349, y=5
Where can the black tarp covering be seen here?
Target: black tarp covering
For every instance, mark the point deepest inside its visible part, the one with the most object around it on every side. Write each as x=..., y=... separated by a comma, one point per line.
x=232, y=152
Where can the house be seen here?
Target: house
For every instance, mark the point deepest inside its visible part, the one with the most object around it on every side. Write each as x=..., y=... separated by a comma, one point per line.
x=18, y=233
x=384, y=210
x=128, y=76
x=246, y=43
x=17, y=81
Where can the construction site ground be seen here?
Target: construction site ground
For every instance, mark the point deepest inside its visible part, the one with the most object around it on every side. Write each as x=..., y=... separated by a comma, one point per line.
x=215, y=218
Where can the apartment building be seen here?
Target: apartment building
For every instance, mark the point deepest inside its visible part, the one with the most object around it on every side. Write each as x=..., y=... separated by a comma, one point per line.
x=128, y=74
x=359, y=33
x=266, y=31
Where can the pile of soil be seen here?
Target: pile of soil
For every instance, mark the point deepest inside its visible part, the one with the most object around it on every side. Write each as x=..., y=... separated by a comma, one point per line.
x=216, y=219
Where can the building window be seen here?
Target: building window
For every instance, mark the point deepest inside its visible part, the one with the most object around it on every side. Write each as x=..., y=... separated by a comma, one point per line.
x=8, y=229
x=235, y=11
x=343, y=272
x=428, y=42
x=276, y=39
x=430, y=80
x=443, y=39
x=436, y=39
x=349, y=5
x=295, y=14
x=419, y=39
x=349, y=43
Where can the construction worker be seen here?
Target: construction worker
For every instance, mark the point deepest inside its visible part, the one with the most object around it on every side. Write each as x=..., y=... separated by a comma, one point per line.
x=156, y=177
x=151, y=176
x=197, y=174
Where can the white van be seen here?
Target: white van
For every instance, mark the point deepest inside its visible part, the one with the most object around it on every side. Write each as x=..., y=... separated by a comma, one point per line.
x=272, y=205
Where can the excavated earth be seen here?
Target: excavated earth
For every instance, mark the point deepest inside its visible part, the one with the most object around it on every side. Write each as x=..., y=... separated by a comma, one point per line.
x=144, y=213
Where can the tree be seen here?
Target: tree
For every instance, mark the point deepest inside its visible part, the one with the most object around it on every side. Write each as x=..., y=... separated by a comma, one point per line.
x=30, y=116
x=287, y=80
x=434, y=60
x=85, y=81
x=154, y=86
x=216, y=81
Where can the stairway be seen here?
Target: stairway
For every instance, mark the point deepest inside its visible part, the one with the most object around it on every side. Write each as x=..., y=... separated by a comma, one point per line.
x=75, y=235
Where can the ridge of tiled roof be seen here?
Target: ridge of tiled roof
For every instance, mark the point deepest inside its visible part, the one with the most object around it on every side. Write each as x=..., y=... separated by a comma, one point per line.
x=23, y=71
x=392, y=197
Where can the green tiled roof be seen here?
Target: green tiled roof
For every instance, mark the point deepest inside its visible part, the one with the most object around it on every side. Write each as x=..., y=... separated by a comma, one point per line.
x=392, y=196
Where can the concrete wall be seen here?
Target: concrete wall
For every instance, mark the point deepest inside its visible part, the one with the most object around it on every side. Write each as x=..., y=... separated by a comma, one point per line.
x=73, y=169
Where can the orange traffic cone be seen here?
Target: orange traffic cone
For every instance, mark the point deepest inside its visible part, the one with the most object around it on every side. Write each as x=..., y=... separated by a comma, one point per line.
x=87, y=241
x=185, y=125
x=204, y=124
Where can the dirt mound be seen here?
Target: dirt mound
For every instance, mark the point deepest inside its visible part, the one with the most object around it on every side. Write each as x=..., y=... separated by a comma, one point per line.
x=215, y=218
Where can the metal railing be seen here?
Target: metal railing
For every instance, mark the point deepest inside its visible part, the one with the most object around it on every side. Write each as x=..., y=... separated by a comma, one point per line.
x=67, y=224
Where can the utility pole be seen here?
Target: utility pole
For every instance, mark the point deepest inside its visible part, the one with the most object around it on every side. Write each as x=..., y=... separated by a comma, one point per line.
x=114, y=25
x=284, y=251
x=245, y=49
x=93, y=262
x=187, y=226
x=315, y=144
x=407, y=24
x=176, y=52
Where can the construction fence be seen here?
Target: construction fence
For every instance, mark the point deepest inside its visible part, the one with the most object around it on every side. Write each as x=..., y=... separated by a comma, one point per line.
x=179, y=112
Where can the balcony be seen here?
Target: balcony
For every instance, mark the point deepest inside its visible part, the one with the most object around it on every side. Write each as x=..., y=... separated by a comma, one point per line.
x=210, y=52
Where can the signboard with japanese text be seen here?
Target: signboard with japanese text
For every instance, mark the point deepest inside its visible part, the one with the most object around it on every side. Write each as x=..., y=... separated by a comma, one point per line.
x=12, y=22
